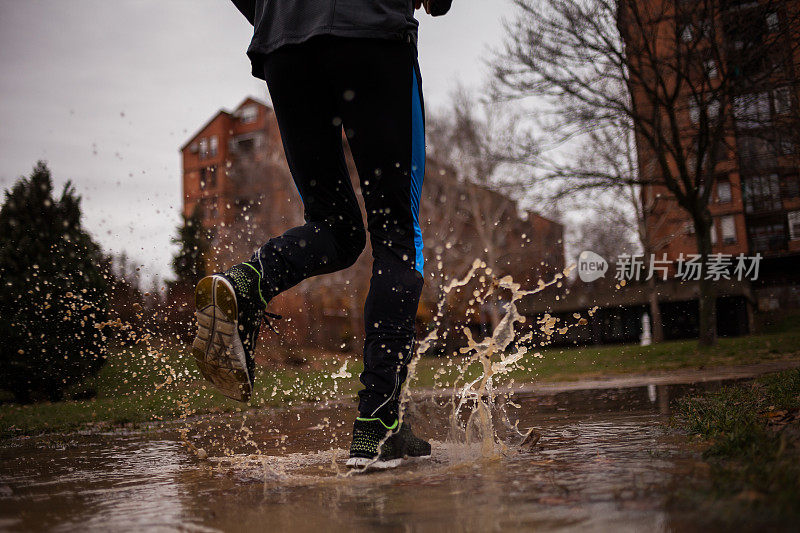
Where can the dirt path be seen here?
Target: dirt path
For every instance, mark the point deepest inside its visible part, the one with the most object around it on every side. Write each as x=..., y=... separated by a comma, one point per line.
x=668, y=377
x=681, y=376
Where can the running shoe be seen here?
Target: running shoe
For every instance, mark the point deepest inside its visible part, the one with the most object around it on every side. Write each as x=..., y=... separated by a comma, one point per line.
x=229, y=308
x=376, y=445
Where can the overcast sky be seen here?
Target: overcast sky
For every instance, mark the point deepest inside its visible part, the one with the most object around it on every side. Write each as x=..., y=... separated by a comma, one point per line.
x=107, y=91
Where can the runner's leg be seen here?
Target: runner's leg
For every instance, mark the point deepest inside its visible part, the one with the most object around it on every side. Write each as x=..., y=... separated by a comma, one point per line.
x=381, y=104
x=333, y=236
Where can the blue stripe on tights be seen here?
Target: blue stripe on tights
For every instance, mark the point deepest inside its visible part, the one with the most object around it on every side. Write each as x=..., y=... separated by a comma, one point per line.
x=417, y=166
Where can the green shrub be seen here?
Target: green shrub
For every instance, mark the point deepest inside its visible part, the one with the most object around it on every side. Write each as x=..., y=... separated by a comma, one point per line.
x=52, y=291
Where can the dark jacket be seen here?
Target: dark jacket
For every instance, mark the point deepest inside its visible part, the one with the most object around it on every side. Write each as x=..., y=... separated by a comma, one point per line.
x=280, y=22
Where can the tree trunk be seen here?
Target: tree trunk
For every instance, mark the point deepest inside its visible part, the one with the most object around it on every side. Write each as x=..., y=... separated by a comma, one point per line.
x=708, y=313
x=656, y=327
x=707, y=300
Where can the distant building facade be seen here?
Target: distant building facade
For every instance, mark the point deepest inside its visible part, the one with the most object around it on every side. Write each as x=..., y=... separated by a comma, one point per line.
x=248, y=135
x=755, y=203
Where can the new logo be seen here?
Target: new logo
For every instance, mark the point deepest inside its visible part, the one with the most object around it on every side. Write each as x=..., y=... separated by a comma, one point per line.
x=591, y=266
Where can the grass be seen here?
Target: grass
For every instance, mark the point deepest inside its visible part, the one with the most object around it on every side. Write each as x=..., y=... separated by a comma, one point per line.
x=752, y=444
x=140, y=383
x=587, y=362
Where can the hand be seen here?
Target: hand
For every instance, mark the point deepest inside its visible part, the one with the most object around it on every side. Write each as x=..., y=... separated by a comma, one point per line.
x=423, y=3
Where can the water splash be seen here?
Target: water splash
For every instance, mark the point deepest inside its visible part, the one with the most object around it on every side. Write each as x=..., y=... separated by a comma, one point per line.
x=472, y=402
x=496, y=354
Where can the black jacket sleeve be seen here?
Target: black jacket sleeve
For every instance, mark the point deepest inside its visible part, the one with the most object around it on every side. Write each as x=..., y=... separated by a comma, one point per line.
x=248, y=9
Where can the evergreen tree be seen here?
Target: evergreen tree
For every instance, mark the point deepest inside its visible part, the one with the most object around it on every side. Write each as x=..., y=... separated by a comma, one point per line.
x=53, y=291
x=189, y=263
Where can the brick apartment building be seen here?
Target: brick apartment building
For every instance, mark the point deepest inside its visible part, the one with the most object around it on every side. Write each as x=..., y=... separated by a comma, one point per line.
x=681, y=50
x=755, y=203
x=249, y=134
x=235, y=170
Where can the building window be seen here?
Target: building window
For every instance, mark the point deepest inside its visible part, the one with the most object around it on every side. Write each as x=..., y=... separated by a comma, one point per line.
x=203, y=148
x=728, y=228
x=794, y=224
x=723, y=192
x=210, y=207
x=694, y=110
x=208, y=177
x=714, y=233
x=751, y=110
x=757, y=152
x=710, y=67
x=213, y=146
x=246, y=144
x=762, y=193
x=711, y=107
x=249, y=114
x=687, y=33
x=768, y=237
x=773, y=24
x=782, y=98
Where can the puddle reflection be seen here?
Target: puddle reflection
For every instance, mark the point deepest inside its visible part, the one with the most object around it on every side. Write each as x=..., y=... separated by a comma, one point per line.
x=603, y=462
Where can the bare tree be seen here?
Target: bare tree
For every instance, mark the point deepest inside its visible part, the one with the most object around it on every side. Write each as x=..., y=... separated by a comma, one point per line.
x=682, y=76
x=621, y=208
x=605, y=230
x=475, y=213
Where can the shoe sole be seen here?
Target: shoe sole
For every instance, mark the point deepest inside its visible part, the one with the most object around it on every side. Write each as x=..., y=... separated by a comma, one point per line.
x=217, y=348
x=372, y=464
x=368, y=464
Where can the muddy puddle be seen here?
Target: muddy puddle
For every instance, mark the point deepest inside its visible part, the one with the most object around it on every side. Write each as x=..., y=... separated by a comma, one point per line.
x=603, y=462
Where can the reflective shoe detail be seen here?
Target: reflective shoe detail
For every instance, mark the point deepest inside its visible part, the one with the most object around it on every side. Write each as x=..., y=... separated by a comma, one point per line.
x=376, y=445
x=363, y=462
x=246, y=280
x=367, y=436
x=218, y=348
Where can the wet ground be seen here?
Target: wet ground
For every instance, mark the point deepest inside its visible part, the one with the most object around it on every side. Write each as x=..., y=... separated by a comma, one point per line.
x=604, y=462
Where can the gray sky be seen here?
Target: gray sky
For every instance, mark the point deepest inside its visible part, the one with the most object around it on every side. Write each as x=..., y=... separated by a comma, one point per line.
x=107, y=91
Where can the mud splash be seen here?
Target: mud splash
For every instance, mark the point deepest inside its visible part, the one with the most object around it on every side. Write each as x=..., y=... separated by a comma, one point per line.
x=496, y=354
x=474, y=411
x=475, y=414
